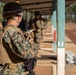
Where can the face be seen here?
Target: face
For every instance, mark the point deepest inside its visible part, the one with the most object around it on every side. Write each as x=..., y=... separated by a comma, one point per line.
x=38, y=17
x=19, y=17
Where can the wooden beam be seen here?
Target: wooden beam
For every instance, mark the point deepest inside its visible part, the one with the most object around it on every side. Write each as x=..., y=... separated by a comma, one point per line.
x=47, y=9
x=37, y=3
x=38, y=8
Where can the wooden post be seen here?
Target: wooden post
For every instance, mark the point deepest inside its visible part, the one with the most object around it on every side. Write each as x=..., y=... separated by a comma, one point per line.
x=61, y=37
x=54, y=31
x=54, y=25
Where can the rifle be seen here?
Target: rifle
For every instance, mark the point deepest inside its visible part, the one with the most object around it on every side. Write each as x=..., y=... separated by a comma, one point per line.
x=29, y=65
x=29, y=35
x=29, y=31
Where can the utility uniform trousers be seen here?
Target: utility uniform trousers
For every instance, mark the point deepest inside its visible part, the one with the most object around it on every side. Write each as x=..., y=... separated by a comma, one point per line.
x=12, y=69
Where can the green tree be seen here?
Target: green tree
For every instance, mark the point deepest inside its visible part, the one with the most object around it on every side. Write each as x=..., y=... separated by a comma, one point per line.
x=1, y=9
x=71, y=13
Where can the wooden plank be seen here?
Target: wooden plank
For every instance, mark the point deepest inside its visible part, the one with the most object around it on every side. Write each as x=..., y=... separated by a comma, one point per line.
x=44, y=70
x=54, y=70
x=45, y=45
x=47, y=36
x=70, y=70
x=46, y=33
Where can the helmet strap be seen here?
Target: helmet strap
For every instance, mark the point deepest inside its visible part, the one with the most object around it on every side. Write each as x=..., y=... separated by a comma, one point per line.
x=16, y=20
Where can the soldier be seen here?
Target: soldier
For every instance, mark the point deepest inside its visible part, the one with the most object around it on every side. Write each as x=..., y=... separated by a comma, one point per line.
x=38, y=25
x=14, y=48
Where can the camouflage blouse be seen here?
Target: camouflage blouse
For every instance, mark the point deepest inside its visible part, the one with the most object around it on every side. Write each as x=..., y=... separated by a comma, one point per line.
x=15, y=35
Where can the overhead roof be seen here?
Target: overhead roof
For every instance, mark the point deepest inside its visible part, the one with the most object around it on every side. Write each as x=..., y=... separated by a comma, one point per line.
x=44, y=6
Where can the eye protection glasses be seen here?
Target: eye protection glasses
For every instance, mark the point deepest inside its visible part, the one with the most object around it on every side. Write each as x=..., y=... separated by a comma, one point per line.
x=20, y=15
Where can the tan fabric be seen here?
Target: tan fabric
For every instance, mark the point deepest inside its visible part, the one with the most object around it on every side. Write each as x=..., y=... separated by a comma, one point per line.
x=4, y=57
x=4, y=54
x=15, y=69
x=13, y=66
x=38, y=35
x=40, y=24
x=39, y=30
x=38, y=40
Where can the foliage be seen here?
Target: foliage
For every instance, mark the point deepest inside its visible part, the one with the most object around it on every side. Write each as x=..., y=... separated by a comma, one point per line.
x=71, y=8
x=71, y=13
x=1, y=9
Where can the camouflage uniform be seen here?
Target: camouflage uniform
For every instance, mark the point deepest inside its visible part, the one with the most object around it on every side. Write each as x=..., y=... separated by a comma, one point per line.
x=18, y=70
x=38, y=26
x=14, y=48
x=19, y=48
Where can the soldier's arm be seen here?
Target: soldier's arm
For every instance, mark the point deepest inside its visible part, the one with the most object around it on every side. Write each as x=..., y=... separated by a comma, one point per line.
x=24, y=49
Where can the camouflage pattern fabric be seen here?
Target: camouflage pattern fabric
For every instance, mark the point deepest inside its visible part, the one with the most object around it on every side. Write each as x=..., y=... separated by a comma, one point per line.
x=40, y=24
x=17, y=70
x=38, y=32
x=24, y=48
x=34, y=46
x=38, y=41
x=38, y=35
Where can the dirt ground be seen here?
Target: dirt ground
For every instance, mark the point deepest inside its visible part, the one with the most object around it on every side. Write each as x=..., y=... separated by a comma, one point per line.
x=70, y=32
x=70, y=45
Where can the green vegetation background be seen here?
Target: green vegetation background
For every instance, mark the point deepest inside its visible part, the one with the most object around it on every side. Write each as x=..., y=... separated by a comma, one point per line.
x=1, y=9
x=71, y=13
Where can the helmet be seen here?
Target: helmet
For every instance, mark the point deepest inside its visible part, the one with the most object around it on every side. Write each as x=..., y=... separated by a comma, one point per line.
x=37, y=13
x=11, y=9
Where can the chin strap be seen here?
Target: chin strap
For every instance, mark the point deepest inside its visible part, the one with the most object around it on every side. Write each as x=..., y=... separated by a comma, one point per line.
x=16, y=20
